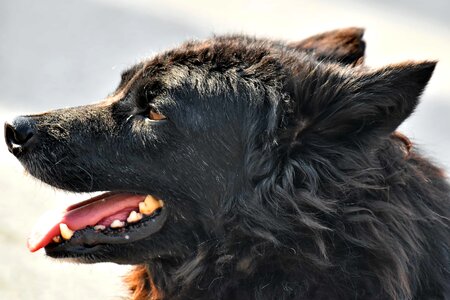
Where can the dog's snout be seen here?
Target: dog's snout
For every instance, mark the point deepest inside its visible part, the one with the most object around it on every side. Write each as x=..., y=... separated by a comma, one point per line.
x=19, y=135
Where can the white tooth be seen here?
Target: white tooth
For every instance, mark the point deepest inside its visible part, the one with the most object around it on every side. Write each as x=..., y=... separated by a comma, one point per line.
x=149, y=205
x=57, y=239
x=134, y=217
x=99, y=227
x=161, y=203
x=117, y=224
x=66, y=232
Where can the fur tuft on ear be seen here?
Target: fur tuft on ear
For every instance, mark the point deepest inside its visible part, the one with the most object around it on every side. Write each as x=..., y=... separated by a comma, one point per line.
x=345, y=46
x=350, y=103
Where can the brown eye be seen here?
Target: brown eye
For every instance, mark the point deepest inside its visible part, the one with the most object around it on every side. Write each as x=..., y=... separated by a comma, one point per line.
x=154, y=115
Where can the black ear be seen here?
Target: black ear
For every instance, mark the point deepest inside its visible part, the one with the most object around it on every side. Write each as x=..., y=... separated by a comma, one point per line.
x=350, y=103
x=345, y=46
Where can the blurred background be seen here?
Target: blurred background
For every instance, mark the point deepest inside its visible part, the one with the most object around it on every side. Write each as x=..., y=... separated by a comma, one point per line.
x=57, y=53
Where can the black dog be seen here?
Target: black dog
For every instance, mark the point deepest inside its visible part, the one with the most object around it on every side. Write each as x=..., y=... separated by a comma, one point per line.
x=242, y=168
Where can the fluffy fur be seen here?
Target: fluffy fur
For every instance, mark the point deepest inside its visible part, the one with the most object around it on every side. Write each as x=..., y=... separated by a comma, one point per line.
x=281, y=167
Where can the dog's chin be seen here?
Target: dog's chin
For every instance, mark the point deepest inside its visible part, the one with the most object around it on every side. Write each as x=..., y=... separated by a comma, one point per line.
x=101, y=253
x=119, y=254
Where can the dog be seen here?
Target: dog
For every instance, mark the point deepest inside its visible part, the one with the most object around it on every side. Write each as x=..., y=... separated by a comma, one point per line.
x=248, y=168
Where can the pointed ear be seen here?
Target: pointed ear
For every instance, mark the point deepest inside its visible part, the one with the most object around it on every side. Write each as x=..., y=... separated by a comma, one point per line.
x=351, y=105
x=345, y=46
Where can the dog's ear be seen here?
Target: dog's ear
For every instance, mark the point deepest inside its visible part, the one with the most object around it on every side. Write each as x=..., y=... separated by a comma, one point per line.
x=345, y=46
x=349, y=103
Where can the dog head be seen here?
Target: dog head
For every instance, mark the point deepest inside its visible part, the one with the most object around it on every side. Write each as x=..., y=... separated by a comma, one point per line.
x=213, y=131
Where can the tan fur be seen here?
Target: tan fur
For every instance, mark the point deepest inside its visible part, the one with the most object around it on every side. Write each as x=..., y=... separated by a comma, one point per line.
x=141, y=285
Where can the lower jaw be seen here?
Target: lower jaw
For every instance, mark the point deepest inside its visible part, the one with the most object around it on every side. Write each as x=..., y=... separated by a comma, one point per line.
x=88, y=241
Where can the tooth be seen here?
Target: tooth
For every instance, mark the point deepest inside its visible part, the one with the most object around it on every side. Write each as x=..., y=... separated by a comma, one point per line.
x=149, y=200
x=57, y=239
x=149, y=205
x=117, y=224
x=142, y=208
x=161, y=203
x=134, y=217
x=66, y=232
x=99, y=227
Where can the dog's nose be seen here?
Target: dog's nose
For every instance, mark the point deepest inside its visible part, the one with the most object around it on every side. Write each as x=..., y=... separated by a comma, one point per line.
x=19, y=135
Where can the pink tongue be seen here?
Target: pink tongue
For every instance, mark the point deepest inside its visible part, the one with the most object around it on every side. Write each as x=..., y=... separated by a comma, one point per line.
x=79, y=216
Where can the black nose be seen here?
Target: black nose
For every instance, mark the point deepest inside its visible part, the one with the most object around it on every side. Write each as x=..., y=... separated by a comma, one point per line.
x=20, y=135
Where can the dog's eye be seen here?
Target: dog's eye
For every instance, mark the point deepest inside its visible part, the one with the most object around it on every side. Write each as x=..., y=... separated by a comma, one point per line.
x=154, y=115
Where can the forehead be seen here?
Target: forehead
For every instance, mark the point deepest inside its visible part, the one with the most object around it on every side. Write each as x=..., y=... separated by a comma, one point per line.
x=219, y=55
x=225, y=52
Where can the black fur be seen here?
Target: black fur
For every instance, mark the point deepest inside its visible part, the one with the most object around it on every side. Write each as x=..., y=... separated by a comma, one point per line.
x=280, y=167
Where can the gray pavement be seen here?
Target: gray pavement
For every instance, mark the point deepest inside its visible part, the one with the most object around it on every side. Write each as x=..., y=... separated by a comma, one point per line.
x=62, y=53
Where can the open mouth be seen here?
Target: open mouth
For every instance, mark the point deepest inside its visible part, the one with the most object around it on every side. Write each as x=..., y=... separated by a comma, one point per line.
x=110, y=218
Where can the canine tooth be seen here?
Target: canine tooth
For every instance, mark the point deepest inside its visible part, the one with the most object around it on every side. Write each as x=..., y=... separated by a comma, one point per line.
x=66, y=232
x=161, y=203
x=117, y=224
x=99, y=227
x=150, y=200
x=57, y=239
x=149, y=205
x=134, y=217
x=142, y=207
